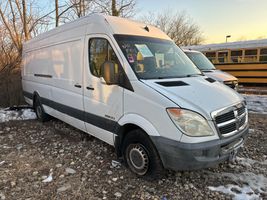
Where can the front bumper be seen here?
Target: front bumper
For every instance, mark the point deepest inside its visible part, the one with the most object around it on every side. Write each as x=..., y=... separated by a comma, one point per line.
x=189, y=156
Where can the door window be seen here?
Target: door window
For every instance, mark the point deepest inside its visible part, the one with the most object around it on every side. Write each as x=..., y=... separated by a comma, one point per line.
x=100, y=51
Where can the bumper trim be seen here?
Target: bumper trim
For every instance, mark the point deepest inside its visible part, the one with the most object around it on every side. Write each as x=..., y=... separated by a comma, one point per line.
x=176, y=155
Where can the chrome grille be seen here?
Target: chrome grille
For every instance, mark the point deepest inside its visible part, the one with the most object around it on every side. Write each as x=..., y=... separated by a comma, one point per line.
x=228, y=128
x=231, y=120
x=224, y=117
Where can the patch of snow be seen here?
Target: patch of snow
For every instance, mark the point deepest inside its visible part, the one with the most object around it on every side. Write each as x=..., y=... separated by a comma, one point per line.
x=48, y=179
x=22, y=114
x=115, y=164
x=256, y=103
x=249, y=162
x=238, y=193
x=253, y=185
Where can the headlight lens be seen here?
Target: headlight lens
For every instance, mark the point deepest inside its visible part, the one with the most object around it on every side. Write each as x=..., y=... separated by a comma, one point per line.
x=191, y=123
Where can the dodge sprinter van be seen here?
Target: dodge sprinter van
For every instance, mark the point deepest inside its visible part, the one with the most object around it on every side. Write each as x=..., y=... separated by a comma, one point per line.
x=128, y=84
x=204, y=64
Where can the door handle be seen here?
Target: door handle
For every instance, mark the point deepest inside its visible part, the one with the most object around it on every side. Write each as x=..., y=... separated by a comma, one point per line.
x=90, y=88
x=77, y=85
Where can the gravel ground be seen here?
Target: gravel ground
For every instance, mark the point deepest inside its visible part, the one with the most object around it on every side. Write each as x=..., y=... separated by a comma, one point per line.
x=55, y=161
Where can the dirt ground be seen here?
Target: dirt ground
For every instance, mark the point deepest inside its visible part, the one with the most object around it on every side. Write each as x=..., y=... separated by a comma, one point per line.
x=55, y=161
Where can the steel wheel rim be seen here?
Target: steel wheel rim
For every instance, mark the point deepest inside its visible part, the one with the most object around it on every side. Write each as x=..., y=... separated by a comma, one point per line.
x=138, y=158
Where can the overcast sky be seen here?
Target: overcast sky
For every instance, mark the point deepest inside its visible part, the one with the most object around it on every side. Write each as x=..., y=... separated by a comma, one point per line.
x=242, y=19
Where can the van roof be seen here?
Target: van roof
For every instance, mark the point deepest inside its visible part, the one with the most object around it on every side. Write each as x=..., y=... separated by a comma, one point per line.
x=116, y=25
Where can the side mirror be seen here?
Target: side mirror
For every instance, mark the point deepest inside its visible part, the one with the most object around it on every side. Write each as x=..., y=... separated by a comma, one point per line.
x=109, y=72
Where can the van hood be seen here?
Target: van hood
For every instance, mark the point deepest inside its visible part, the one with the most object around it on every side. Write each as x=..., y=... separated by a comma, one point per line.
x=200, y=94
x=220, y=75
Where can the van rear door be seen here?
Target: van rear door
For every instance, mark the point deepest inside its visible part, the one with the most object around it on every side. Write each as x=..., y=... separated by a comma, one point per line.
x=103, y=103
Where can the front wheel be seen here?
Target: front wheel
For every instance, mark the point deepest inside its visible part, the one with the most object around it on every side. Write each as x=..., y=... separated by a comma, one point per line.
x=141, y=156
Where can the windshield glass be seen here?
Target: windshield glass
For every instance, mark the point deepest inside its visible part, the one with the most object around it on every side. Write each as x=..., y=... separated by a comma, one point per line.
x=152, y=58
x=200, y=60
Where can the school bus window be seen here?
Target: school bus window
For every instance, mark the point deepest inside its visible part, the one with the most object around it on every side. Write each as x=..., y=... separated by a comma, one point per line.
x=211, y=56
x=236, y=56
x=250, y=55
x=223, y=57
x=263, y=55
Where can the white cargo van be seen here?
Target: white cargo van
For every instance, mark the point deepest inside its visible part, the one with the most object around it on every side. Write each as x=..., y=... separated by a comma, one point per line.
x=129, y=85
x=204, y=64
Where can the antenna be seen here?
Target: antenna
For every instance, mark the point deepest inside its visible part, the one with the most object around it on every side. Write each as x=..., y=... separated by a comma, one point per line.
x=146, y=28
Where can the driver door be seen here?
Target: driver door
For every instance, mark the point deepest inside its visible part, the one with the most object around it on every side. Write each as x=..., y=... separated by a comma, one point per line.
x=103, y=104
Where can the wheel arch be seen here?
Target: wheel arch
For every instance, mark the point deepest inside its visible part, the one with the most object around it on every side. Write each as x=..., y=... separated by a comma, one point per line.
x=131, y=122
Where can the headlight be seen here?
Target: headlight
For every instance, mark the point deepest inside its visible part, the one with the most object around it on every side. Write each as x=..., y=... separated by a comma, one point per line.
x=191, y=123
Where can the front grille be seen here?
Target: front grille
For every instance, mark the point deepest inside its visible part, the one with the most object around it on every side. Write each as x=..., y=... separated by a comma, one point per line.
x=242, y=121
x=228, y=128
x=225, y=117
x=241, y=110
x=231, y=120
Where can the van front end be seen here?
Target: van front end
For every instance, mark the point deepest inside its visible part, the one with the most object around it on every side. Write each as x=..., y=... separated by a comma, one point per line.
x=197, y=121
x=229, y=124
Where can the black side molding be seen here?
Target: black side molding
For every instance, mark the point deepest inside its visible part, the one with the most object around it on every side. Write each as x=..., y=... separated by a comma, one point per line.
x=101, y=122
x=43, y=75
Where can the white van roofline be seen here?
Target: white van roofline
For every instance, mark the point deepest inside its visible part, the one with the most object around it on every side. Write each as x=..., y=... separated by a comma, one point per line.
x=79, y=27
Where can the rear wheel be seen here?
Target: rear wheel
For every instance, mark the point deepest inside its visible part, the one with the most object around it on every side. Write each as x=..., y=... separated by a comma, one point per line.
x=39, y=110
x=141, y=156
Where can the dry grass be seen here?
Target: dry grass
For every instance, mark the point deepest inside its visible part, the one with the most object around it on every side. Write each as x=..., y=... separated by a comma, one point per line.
x=10, y=88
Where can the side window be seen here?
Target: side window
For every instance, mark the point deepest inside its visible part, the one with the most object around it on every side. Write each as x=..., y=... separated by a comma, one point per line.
x=263, y=55
x=100, y=51
x=223, y=57
x=250, y=55
x=236, y=56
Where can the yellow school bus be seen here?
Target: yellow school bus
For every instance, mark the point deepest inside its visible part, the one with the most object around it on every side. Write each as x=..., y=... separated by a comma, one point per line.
x=246, y=60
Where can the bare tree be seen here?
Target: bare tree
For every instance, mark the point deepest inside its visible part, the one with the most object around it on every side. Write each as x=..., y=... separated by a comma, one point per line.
x=72, y=9
x=122, y=8
x=24, y=19
x=19, y=23
x=178, y=26
x=56, y=9
x=19, y=20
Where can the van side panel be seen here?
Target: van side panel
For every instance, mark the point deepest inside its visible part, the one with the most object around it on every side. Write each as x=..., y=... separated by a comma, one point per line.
x=52, y=72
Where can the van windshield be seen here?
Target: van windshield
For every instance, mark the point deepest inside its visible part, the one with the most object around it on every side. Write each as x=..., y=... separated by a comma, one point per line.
x=200, y=60
x=153, y=58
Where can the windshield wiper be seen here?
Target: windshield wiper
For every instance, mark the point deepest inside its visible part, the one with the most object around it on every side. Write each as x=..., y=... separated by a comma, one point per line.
x=166, y=77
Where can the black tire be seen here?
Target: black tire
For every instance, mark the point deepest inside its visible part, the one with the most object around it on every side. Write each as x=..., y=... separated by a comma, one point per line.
x=39, y=110
x=141, y=156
